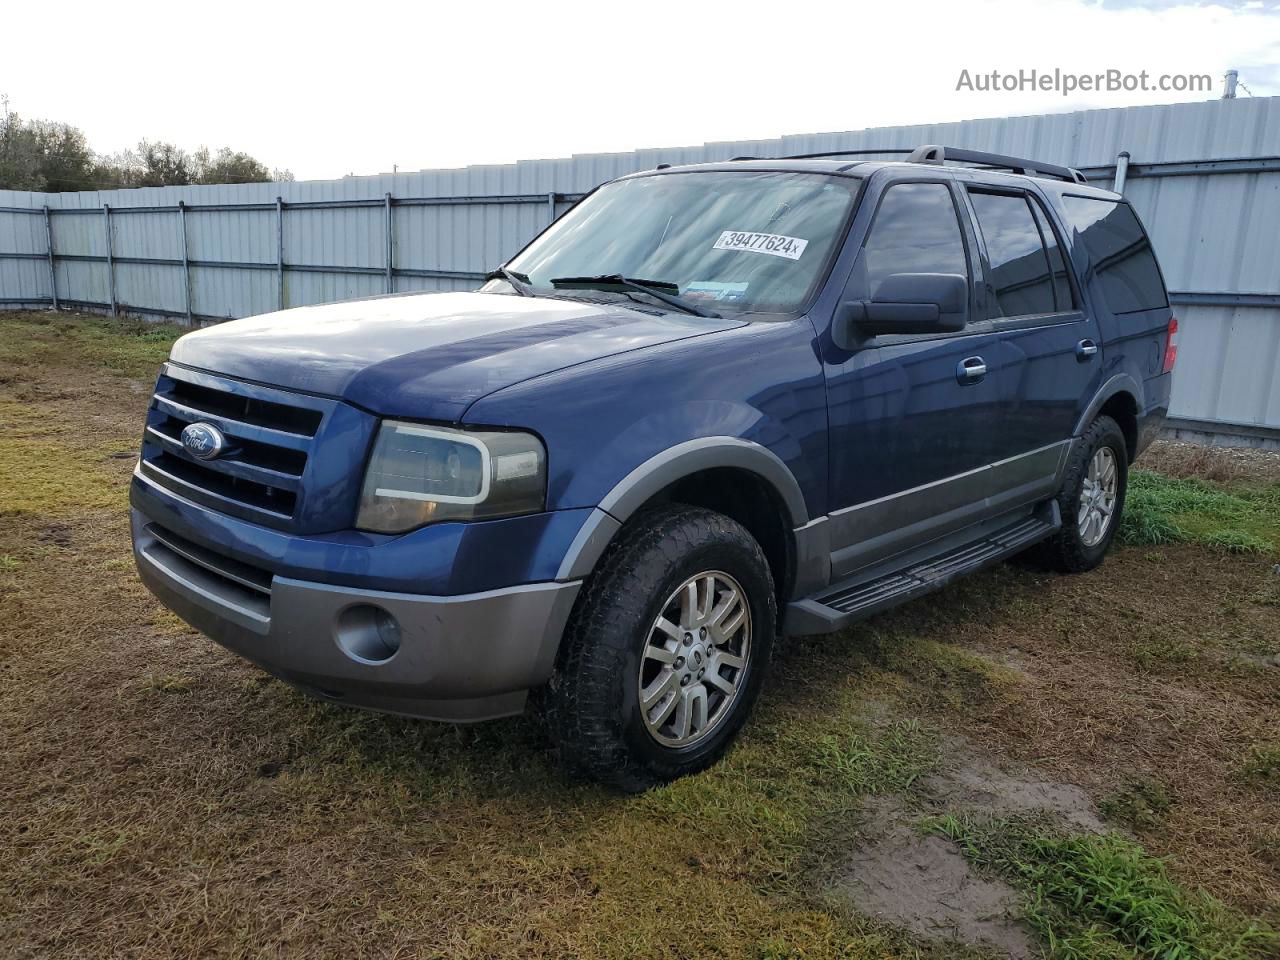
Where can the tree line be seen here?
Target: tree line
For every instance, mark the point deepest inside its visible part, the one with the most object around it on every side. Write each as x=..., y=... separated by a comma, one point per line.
x=51, y=157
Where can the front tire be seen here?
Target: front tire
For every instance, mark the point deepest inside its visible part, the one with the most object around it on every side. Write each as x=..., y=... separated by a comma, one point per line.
x=1091, y=500
x=666, y=650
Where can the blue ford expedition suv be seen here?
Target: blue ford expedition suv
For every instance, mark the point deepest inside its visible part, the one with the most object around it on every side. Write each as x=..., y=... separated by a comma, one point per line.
x=709, y=406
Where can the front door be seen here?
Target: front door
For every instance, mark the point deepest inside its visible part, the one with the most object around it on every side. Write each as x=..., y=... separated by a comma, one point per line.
x=911, y=416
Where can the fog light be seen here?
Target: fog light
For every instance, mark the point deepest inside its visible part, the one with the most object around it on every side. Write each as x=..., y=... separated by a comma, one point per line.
x=368, y=634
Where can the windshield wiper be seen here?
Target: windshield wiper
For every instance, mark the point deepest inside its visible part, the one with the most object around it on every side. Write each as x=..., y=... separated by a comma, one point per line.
x=668, y=293
x=519, y=282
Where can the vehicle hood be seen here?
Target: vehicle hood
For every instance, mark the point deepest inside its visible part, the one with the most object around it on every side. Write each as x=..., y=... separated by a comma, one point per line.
x=427, y=356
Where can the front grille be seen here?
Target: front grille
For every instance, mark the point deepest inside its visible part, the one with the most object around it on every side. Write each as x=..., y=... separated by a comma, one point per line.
x=270, y=433
x=266, y=497
x=252, y=410
x=238, y=584
x=264, y=455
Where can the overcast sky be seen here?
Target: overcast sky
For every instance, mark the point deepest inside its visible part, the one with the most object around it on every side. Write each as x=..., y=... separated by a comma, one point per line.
x=326, y=89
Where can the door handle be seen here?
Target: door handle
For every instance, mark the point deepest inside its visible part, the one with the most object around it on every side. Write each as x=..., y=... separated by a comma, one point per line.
x=971, y=370
x=1086, y=349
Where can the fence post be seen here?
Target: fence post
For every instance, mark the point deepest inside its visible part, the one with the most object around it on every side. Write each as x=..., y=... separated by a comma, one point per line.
x=186, y=262
x=111, y=264
x=389, y=253
x=1122, y=171
x=280, y=253
x=53, y=274
x=551, y=207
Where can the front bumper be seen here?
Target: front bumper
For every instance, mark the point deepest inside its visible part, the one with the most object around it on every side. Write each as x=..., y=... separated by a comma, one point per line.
x=459, y=658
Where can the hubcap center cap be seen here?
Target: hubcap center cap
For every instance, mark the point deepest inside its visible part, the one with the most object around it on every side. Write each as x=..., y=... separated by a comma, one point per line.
x=695, y=663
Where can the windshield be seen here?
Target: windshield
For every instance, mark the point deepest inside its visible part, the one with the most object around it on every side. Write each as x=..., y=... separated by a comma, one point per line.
x=730, y=242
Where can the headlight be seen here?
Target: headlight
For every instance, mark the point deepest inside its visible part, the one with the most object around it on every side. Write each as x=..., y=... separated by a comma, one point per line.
x=419, y=475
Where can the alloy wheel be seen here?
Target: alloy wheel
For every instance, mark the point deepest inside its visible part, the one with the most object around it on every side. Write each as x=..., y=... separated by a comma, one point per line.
x=1098, y=493
x=695, y=659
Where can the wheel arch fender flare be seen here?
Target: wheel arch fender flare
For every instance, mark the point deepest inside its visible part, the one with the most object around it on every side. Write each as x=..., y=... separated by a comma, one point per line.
x=1119, y=383
x=663, y=469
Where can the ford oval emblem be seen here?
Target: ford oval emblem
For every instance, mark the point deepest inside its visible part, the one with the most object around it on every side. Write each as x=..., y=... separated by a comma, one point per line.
x=203, y=441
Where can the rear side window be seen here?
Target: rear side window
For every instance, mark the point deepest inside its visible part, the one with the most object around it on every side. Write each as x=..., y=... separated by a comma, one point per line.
x=916, y=230
x=1019, y=264
x=1120, y=253
x=1063, y=297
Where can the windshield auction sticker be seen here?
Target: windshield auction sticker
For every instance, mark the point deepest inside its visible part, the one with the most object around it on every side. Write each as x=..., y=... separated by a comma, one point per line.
x=770, y=243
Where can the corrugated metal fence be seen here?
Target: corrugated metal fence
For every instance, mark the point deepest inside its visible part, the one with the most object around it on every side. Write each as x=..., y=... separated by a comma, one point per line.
x=1205, y=177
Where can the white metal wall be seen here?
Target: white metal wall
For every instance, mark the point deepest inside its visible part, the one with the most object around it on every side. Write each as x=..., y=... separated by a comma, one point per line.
x=23, y=281
x=1221, y=233
x=1217, y=232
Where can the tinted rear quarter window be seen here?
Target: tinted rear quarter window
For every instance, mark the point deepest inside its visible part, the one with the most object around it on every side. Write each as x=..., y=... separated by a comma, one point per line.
x=1063, y=295
x=1120, y=254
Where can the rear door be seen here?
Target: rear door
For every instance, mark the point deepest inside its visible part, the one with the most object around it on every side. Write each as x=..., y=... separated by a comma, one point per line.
x=1048, y=349
x=910, y=416
x=1126, y=293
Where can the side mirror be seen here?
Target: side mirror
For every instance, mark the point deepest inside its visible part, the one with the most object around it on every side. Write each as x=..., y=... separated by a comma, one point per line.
x=904, y=303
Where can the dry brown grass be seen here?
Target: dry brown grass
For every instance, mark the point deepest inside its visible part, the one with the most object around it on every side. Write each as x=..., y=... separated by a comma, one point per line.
x=1224, y=465
x=163, y=798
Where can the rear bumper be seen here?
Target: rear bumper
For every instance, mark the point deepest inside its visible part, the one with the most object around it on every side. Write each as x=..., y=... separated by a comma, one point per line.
x=458, y=658
x=1151, y=419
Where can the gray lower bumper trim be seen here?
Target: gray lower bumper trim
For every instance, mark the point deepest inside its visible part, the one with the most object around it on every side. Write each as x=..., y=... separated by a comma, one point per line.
x=467, y=657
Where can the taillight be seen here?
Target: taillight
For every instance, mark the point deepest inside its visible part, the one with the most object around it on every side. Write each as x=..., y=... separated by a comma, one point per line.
x=1171, y=346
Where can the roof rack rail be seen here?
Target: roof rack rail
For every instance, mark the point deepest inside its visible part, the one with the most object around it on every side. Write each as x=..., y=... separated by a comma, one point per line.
x=934, y=153
x=828, y=153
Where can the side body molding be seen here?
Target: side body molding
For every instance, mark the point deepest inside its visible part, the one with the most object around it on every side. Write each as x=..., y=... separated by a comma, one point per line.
x=663, y=469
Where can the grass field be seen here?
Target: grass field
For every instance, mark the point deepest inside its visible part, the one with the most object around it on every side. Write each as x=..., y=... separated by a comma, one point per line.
x=1100, y=754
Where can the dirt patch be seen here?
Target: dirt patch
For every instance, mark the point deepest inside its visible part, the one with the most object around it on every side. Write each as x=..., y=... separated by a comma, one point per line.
x=924, y=884
x=1263, y=660
x=904, y=876
x=972, y=780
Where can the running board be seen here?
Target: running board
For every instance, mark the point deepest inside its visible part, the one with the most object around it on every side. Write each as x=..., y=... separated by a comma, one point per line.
x=857, y=598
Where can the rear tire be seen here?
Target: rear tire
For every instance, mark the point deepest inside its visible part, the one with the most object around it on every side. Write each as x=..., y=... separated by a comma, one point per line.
x=637, y=698
x=1091, y=500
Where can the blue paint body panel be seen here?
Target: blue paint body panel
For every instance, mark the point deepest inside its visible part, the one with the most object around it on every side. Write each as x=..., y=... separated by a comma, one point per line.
x=761, y=382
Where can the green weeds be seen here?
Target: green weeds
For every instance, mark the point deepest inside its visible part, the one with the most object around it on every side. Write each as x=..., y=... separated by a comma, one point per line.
x=1161, y=509
x=1103, y=896
x=1140, y=804
x=1263, y=763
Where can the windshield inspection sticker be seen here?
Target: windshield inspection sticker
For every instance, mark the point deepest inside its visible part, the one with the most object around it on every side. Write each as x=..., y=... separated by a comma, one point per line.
x=770, y=243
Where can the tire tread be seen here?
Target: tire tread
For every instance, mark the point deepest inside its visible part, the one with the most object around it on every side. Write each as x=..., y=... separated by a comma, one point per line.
x=1065, y=551
x=581, y=704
